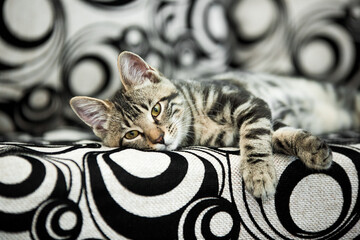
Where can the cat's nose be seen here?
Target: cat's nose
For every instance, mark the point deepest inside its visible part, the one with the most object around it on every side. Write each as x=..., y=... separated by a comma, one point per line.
x=160, y=139
x=156, y=136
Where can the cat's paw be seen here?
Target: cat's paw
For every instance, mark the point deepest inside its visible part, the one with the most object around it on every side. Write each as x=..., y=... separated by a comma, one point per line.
x=315, y=153
x=260, y=179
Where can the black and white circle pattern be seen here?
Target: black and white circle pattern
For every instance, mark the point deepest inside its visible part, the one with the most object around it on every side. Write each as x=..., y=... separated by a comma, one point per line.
x=32, y=35
x=300, y=209
x=72, y=46
x=197, y=193
x=151, y=187
x=38, y=192
x=322, y=47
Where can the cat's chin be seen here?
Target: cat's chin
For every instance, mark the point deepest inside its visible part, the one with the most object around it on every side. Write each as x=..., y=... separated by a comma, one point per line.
x=171, y=147
x=165, y=147
x=170, y=144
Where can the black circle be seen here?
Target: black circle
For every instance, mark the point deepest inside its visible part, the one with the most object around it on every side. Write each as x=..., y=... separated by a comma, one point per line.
x=214, y=205
x=281, y=18
x=297, y=50
x=7, y=36
x=90, y=57
x=40, y=230
x=292, y=175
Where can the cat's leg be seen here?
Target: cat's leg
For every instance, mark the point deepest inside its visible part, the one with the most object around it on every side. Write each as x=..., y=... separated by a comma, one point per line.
x=257, y=167
x=311, y=150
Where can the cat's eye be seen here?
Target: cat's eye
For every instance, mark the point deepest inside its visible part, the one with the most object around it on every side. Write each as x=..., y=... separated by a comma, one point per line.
x=156, y=110
x=131, y=134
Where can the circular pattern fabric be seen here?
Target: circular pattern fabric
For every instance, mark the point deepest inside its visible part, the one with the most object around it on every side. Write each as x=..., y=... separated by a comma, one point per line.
x=84, y=190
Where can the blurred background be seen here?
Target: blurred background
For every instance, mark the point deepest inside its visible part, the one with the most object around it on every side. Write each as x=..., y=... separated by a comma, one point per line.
x=52, y=50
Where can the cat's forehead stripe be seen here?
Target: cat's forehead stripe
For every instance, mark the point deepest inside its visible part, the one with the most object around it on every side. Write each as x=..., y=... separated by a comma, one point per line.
x=170, y=97
x=144, y=106
x=127, y=107
x=127, y=123
x=136, y=108
x=126, y=117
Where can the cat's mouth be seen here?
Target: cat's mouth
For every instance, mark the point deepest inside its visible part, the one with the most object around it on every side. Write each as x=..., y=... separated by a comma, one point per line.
x=169, y=144
x=172, y=140
x=166, y=147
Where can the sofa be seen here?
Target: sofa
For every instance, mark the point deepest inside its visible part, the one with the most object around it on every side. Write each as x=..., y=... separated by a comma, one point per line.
x=84, y=190
x=57, y=181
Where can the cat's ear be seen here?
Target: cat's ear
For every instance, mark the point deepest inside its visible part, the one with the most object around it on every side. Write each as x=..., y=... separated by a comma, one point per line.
x=134, y=71
x=94, y=112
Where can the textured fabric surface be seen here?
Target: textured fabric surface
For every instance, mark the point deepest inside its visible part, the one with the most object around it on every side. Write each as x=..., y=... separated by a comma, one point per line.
x=84, y=190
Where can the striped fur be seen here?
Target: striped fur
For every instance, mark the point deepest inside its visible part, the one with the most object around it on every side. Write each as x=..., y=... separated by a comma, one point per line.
x=249, y=111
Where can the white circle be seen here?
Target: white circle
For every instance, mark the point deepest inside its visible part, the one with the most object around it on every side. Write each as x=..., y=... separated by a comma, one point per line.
x=252, y=20
x=217, y=22
x=313, y=207
x=187, y=57
x=86, y=78
x=355, y=12
x=28, y=19
x=39, y=99
x=221, y=224
x=317, y=57
x=154, y=60
x=67, y=220
x=14, y=169
x=140, y=164
x=134, y=37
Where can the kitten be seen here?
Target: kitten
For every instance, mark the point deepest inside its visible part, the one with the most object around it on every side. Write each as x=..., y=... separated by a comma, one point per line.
x=249, y=111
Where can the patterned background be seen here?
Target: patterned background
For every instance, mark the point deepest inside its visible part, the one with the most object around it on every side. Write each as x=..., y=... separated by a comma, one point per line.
x=52, y=50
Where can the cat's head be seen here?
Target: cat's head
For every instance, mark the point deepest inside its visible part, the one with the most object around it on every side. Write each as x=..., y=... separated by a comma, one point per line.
x=146, y=113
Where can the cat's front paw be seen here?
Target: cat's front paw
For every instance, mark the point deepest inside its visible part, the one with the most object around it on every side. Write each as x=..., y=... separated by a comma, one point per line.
x=260, y=179
x=315, y=153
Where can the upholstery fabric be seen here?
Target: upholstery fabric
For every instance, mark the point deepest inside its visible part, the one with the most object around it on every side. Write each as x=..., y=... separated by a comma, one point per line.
x=83, y=190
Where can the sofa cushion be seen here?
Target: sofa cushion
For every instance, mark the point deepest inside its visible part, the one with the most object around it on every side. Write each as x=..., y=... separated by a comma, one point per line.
x=85, y=190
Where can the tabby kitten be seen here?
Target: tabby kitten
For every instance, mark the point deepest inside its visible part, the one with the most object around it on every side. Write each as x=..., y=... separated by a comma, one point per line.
x=237, y=109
